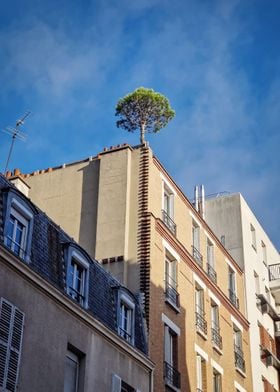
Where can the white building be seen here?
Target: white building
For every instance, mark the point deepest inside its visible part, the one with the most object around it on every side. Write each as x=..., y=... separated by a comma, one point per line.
x=235, y=224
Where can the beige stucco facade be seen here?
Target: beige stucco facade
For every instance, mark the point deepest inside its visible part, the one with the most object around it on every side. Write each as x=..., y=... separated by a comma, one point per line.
x=112, y=204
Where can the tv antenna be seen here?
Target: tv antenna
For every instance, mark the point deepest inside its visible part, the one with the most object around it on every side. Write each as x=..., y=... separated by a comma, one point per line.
x=16, y=134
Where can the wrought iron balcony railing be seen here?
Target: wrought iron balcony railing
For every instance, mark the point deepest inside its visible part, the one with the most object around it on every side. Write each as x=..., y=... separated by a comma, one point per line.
x=15, y=247
x=169, y=223
x=171, y=294
x=125, y=334
x=239, y=358
x=216, y=337
x=197, y=256
x=233, y=298
x=211, y=273
x=172, y=376
x=200, y=322
x=274, y=272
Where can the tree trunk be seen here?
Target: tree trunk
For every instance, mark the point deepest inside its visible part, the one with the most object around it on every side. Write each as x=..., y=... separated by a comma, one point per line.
x=142, y=133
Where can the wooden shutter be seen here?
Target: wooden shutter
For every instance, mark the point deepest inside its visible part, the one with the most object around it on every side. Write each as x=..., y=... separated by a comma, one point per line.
x=11, y=331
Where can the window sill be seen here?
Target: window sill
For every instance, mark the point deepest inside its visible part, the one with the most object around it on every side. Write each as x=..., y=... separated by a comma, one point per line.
x=217, y=349
x=240, y=372
x=172, y=305
x=202, y=334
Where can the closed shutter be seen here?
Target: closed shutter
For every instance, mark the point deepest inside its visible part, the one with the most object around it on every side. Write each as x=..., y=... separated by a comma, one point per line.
x=11, y=331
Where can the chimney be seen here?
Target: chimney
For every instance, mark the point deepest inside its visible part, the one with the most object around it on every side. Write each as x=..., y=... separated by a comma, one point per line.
x=17, y=180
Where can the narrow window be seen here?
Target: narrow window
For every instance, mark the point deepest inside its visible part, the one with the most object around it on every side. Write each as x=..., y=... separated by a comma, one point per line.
x=232, y=287
x=71, y=375
x=168, y=209
x=215, y=326
x=217, y=381
x=201, y=323
x=238, y=351
x=264, y=254
x=210, y=261
x=77, y=281
x=171, y=374
x=253, y=236
x=171, y=293
x=200, y=373
x=119, y=385
x=125, y=326
x=196, y=243
x=11, y=331
x=257, y=283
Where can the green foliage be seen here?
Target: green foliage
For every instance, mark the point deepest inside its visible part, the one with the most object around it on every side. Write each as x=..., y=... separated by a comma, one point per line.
x=143, y=109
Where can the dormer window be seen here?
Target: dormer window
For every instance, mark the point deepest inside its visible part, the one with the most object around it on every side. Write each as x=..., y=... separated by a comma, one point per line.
x=18, y=227
x=126, y=316
x=77, y=276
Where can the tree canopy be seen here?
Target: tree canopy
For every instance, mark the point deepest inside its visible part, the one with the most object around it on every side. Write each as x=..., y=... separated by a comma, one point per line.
x=143, y=109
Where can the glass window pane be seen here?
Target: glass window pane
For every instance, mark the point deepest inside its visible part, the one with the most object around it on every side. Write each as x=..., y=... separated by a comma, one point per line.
x=71, y=375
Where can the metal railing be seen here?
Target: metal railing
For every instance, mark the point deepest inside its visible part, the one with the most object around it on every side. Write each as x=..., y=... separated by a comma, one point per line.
x=200, y=322
x=211, y=273
x=216, y=337
x=172, y=376
x=233, y=298
x=239, y=358
x=76, y=295
x=274, y=272
x=197, y=256
x=15, y=247
x=169, y=223
x=171, y=293
x=123, y=333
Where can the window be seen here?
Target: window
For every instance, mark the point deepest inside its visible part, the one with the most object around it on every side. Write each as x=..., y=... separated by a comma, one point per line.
x=215, y=326
x=264, y=254
x=18, y=227
x=77, y=276
x=171, y=293
x=171, y=374
x=196, y=243
x=217, y=381
x=201, y=324
x=257, y=283
x=253, y=236
x=200, y=373
x=238, y=352
x=119, y=385
x=11, y=331
x=168, y=208
x=232, y=287
x=126, y=317
x=71, y=375
x=210, y=262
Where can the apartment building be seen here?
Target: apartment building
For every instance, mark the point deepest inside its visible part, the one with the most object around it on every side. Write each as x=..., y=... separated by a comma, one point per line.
x=124, y=208
x=65, y=323
x=232, y=220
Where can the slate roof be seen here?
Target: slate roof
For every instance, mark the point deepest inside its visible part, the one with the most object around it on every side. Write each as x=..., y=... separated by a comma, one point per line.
x=47, y=245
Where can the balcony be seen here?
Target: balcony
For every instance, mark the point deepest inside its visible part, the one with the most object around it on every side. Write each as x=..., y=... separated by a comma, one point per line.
x=270, y=358
x=197, y=256
x=274, y=281
x=239, y=359
x=171, y=294
x=265, y=307
x=233, y=298
x=172, y=376
x=211, y=273
x=200, y=322
x=216, y=337
x=169, y=222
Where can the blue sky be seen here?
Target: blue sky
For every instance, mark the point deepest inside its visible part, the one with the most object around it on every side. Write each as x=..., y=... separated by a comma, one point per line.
x=217, y=62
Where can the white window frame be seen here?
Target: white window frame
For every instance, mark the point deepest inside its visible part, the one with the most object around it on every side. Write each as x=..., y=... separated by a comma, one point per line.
x=24, y=216
x=210, y=253
x=253, y=237
x=195, y=235
x=126, y=302
x=78, y=259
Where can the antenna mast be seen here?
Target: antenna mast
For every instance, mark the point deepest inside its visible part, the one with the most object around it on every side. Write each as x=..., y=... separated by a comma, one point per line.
x=16, y=134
